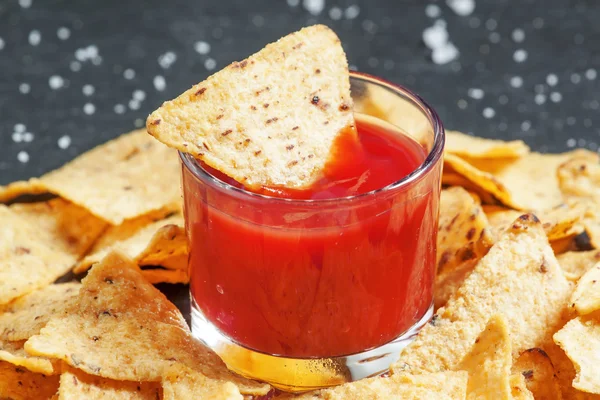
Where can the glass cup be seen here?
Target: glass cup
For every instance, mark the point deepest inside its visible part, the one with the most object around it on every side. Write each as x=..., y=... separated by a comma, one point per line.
x=305, y=294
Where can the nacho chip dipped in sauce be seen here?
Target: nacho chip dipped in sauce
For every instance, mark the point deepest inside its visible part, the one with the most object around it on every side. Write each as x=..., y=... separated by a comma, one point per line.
x=311, y=221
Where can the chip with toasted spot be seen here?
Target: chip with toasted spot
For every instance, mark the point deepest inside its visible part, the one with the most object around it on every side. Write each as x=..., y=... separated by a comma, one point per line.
x=537, y=370
x=505, y=178
x=580, y=339
x=28, y=259
x=518, y=388
x=580, y=178
x=269, y=120
x=122, y=179
x=148, y=240
x=25, y=316
x=463, y=229
x=122, y=328
x=518, y=274
x=181, y=382
x=488, y=362
x=17, y=383
x=576, y=263
x=476, y=147
x=586, y=297
x=13, y=352
x=76, y=384
x=444, y=386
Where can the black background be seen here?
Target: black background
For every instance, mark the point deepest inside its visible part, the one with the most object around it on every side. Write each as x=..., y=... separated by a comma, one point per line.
x=561, y=37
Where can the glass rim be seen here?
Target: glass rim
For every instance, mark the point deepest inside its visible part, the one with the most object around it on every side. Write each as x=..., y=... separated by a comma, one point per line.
x=428, y=163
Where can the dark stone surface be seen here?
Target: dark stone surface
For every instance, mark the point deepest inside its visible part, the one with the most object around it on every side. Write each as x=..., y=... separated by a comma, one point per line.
x=561, y=38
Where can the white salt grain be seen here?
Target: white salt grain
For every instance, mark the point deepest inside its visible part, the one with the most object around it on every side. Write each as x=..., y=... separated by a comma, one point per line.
x=462, y=7
x=491, y=24
x=555, y=97
x=63, y=33
x=494, y=37
x=139, y=95
x=119, y=109
x=335, y=13
x=352, y=12
x=88, y=90
x=293, y=3
x=444, y=54
x=24, y=88
x=167, y=59
x=159, y=83
x=552, y=79
x=314, y=6
x=462, y=104
x=17, y=137
x=138, y=123
x=520, y=55
x=64, y=142
x=202, y=47
x=2, y=44
x=56, y=82
x=35, y=37
x=129, y=74
x=89, y=108
x=435, y=36
x=28, y=137
x=518, y=35
x=489, y=112
x=540, y=99
x=525, y=126
x=75, y=66
x=571, y=142
x=433, y=11
x=516, y=81
x=20, y=128
x=591, y=74
x=25, y=3
x=210, y=64
x=134, y=104
x=23, y=157
x=476, y=93
x=575, y=78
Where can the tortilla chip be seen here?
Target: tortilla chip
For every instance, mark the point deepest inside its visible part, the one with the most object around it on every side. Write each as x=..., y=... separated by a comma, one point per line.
x=123, y=328
x=518, y=388
x=558, y=222
x=25, y=316
x=580, y=339
x=462, y=234
x=505, y=179
x=20, y=188
x=586, y=298
x=148, y=240
x=488, y=363
x=444, y=385
x=476, y=147
x=580, y=178
x=13, y=352
x=576, y=263
x=536, y=368
x=591, y=222
x=448, y=282
x=122, y=179
x=29, y=258
x=256, y=120
x=453, y=179
x=17, y=383
x=182, y=382
x=158, y=275
x=76, y=384
x=519, y=273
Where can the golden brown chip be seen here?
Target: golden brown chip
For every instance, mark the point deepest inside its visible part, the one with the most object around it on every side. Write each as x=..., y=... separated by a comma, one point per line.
x=13, y=352
x=25, y=316
x=182, y=382
x=505, y=179
x=76, y=385
x=256, y=120
x=558, y=222
x=122, y=179
x=576, y=263
x=123, y=328
x=29, y=259
x=148, y=240
x=536, y=368
x=519, y=273
x=158, y=275
x=453, y=179
x=580, y=178
x=443, y=385
x=580, y=339
x=463, y=233
x=17, y=383
x=488, y=363
x=518, y=388
x=586, y=298
x=476, y=147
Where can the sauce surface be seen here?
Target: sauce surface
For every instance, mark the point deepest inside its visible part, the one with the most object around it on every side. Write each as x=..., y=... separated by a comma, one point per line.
x=302, y=282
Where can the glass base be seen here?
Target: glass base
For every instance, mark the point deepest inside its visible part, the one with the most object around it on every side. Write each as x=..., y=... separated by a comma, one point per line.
x=299, y=374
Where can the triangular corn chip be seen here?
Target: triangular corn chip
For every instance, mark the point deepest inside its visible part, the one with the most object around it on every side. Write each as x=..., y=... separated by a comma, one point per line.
x=586, y=298
x=17, y=383
x=269, y=120
x=576, y=263
x=182, y=382
x=13, y=352
x=536, y=368
x=476, y=147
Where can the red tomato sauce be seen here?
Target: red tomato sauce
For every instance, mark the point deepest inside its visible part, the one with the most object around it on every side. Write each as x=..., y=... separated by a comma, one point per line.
x=312, y=283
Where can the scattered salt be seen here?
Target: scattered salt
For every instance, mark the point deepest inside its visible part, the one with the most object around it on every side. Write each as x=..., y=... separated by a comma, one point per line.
x=20, y=128
x=202, y=47
x=138, y=123
x=119, y=108
x=494, y=37
x=139, y=95
x=520, y=55
x=64, y=142
x=352, y=12
x=23, y=157
x=314, y=6
x=159, y=83
x=293, y=3
x=474, y=22
x=210, y=64
x=581, y=142
x=369, y=26
x=575, y=78
x=63, y=33
x=571, y=121
x=373, y=62
x=75, y=66
x=335, y=13
x=167, y=59
x=88, y=90
x=489, y=112
x=538, y=23
x=435, y=36
x=129, y=74
x=24, y=88
x=134, y=104
x=516, y=81
x=28, y=137
x=258, y=21
x=462, y=104
x=476, y=93
x=591, y=74
x=518, y=35
x=503, y=99
x=594, y=104
x=433, y=11
x=89, y=108
x=56, y=82
x=97, y=60
x=35, y=37
x=2, y=44
x=17, y=137
x=540, y=99
x=462, y=7
x=491, y=24
x=571, y=142
x=552, y=79
x=525, y=126
x=445, y=54
x=25, y=3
